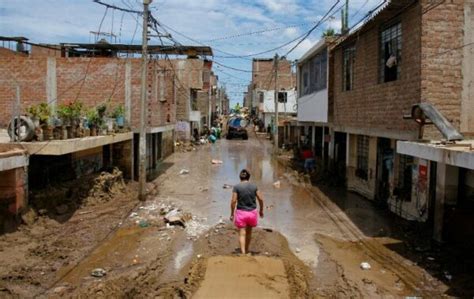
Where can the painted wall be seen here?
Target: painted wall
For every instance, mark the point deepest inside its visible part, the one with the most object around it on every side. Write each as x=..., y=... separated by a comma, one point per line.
x=313, y=107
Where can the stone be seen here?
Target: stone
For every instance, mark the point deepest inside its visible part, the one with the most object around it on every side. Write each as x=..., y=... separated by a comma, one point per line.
x=29, y=217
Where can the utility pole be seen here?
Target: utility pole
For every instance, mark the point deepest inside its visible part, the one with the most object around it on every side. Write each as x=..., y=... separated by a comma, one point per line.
x=275, y=139
x=143, y=99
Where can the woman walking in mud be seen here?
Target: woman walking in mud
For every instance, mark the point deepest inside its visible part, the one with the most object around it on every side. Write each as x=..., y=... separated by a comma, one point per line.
x=243, y=209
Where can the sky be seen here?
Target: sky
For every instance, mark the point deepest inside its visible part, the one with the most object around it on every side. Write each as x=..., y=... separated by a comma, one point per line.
x=222, y=24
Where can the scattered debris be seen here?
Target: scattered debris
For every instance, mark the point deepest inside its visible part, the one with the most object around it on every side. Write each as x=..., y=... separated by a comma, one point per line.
x=143, y=223
x=176, y=217
x=199, y=256
x=365, y=266
x=367, y=281
x=269, y=230
x=227, y=186
x=133, y=214
x=30, y=217
x=98, y=272
x=431, y=258
x=277, y=184
x=447, y=275
x=203, y=189
x=62, y=209
x=184, y=171
x=216, y=161
x=297, y=250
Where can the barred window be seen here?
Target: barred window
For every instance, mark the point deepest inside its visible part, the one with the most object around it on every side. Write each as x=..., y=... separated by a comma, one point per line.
x=348, y=68
x=362, y=157
x=390, y=53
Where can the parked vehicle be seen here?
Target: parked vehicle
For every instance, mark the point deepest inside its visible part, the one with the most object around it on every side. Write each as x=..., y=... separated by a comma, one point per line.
x=236, y=128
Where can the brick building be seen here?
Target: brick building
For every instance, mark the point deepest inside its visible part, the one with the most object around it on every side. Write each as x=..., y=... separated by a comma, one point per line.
x=410, y=52
x=100, y=74
x=261, y=91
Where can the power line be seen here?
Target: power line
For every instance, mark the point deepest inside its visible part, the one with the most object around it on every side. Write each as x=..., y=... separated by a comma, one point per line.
x=118, y=8
x=312, y=29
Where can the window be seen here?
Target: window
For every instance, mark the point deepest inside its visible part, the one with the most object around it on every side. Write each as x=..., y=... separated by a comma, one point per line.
x=362, y=157
x=193, y=95
x=282, y=97
x=348, y=68
x=405, y=164
x=314, y=74
x=390, y=53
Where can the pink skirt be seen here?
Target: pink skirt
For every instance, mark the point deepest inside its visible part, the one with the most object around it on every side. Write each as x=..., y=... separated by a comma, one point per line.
x=244, y=218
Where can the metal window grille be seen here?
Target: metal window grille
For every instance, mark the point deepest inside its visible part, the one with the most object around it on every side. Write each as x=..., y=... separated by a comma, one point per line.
x=390, y=53
x=362, y=156
x=348, y=68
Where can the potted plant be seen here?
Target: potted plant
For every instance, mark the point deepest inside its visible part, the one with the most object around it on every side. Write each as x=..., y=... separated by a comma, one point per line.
x=93, y=121
x=118, y=114
x=70, y=114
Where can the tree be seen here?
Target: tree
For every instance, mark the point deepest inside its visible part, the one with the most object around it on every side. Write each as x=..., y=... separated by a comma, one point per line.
x=329, y=32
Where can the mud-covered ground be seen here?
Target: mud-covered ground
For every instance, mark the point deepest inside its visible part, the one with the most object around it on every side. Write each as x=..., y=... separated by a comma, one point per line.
x=322, y=236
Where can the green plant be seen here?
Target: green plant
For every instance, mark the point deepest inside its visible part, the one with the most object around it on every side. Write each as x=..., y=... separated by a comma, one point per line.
x=101, y=108
x=70, y=111
x=93, y=118
x=329, y=32
x=42, y=112
x=118, y=111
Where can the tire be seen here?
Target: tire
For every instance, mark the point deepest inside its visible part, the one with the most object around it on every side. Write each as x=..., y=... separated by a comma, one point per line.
x=25, y=122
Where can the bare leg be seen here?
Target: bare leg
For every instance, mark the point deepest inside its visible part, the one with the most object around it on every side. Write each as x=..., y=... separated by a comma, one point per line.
x=242, y=238
x=248, y=237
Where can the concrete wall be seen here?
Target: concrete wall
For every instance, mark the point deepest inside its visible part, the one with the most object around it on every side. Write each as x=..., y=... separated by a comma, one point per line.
x=314, y=107
x=269, y=102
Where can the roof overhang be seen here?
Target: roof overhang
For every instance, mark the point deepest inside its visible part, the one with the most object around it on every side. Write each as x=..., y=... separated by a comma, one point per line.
x=152, y=49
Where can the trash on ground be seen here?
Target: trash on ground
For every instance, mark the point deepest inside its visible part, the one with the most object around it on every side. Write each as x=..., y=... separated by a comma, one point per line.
x=133, y=214
x=297, y=250
x=431, y=258
x=447, y=275
x=269, y=230
x=184, y=171
x=176, y=217
x=277, y=184
x=98, y=272
x=216, y=161
x=199, y=256
x=365, y=266
x=227, y=186
x=203, y=189
x=143, y=223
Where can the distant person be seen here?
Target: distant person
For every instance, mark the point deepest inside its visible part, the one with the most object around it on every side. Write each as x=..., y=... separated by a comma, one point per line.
x=243, y=209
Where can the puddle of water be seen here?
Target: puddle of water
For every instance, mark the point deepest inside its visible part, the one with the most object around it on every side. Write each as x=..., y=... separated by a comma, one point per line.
x=117, y=250
x=183, y=256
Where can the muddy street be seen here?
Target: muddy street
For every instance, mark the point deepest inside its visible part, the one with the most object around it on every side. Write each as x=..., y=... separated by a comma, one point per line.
x=306, y=246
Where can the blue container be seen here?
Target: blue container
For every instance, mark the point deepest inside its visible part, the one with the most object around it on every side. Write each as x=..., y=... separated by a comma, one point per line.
x=120, y=121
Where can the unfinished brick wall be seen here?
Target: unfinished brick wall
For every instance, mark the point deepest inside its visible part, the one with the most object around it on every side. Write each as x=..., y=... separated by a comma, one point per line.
x=90, y=80
x=442, y=39
x=373, y=106
x=29, y=74
x=263, y=77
